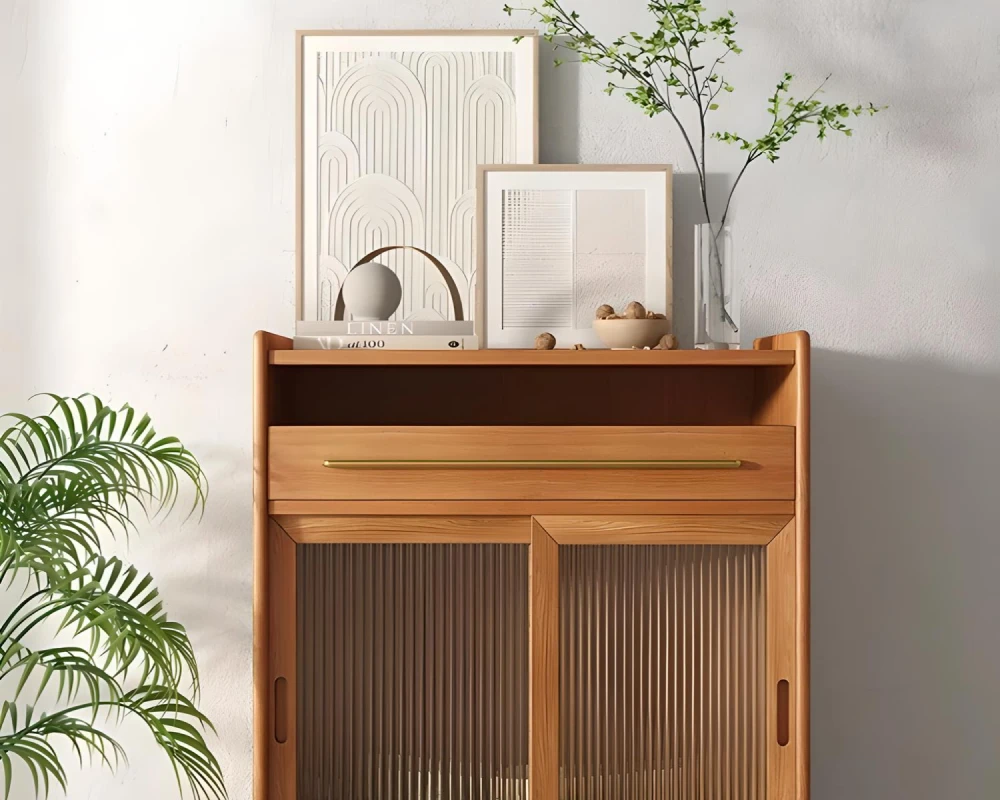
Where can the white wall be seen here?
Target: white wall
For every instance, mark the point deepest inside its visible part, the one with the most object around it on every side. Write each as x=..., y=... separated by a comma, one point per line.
x=146, y=230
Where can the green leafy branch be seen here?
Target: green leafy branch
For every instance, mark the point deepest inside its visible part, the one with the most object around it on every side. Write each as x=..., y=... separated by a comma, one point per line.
x=656, y=70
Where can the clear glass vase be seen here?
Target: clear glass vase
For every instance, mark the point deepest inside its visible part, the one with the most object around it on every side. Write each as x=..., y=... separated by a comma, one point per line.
x=716, y=289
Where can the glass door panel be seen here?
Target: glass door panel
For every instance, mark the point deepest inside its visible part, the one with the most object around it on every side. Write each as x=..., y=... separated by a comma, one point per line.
x=413, y=671
x=662, y=683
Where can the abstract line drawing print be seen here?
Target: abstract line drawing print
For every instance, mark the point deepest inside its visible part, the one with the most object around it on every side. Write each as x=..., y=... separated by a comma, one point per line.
x=565, y=252
x=398, y=137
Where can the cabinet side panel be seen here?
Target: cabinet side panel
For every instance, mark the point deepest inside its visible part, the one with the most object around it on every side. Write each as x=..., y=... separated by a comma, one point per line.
x=263, y=343
x=782, y=397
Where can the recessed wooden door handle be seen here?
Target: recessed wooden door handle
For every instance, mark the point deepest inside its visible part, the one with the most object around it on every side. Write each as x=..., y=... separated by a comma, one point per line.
x=782, y=726
x=280, y=710
x=533, y=464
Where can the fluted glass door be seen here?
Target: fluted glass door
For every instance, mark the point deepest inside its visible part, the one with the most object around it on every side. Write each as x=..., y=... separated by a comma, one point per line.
x=662, y=691
x=413, y=680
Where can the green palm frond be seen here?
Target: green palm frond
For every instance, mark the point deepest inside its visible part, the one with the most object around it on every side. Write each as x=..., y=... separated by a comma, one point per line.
x=29, y=741
x=177, y=726
x=68, y=479
x=68, y=476
x=119, y=614
x=174, y=721
x=73, y=668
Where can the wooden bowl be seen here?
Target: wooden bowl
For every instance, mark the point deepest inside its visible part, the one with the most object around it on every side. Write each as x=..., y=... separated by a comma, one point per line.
x=624, y=334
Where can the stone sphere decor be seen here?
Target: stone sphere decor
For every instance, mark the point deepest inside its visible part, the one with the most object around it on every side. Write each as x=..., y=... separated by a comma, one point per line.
x=372, y=292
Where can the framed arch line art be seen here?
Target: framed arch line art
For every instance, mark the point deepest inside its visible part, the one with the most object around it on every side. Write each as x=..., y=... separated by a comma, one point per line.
x=391, y=127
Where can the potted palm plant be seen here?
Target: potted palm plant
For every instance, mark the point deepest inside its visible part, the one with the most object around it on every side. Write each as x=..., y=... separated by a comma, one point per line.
x=69, y=479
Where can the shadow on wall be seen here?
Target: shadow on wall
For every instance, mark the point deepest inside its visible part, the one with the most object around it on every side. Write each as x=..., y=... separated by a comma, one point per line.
x=23, y=239
x=905, y=584
x=558, y=108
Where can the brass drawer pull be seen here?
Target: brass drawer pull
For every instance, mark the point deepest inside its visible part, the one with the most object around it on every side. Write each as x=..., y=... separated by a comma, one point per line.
x=537, y=464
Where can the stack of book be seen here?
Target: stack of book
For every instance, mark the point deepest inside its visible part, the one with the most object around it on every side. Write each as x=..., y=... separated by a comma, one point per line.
x=386, y=335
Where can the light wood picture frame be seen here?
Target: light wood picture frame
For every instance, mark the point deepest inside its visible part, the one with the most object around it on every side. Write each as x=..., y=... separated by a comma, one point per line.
x=555, y=241
x=390, y=127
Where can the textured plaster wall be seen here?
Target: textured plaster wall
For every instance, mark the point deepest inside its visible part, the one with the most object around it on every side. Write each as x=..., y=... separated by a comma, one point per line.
x=146, y=230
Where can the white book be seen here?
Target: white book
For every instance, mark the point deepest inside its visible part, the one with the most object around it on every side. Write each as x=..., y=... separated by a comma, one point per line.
x=382, y=328
x=408, y=342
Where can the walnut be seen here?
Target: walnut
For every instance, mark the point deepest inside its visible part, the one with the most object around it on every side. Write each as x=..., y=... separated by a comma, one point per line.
x=579, y=347
x=667, y=342
x=545, y=341
x=604, y=312
x=655, y=315
x=635, y=310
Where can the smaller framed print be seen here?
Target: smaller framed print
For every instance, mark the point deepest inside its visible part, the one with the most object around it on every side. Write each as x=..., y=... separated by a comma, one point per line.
x=555, y=241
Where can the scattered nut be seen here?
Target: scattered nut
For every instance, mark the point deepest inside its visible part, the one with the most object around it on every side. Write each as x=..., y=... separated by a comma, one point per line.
x=545, y=341
x=579, y=347
x=667, y=342
x=604, y=312
x=635, y=310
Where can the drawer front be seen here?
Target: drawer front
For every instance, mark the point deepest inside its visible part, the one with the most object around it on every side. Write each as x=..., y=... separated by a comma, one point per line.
x=531, y=463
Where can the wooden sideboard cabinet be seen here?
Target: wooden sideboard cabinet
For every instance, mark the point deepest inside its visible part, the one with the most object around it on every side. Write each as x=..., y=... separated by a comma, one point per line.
x=506, y=574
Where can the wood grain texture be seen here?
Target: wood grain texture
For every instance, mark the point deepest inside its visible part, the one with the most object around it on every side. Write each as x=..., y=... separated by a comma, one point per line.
x=783, y=397
x=536, y=358
x=509, y=508
x=662, y=529
x=543, y=665
x=297, y=455
x=773, y=395
x=781, y=663
x=406, y=529
x=263, y=343
x=283, y=666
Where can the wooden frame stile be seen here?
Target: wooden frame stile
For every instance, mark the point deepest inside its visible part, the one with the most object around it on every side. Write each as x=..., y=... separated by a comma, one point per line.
x=263, y=695
x=282, y=665
x=782, y=398
x=543, y=665
x=782, y=724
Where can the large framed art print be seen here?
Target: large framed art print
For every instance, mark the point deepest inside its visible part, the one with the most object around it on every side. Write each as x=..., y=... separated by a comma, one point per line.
x=391, y=126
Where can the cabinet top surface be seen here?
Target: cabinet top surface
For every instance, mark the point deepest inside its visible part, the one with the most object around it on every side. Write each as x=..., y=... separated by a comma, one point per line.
x=535, y=358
